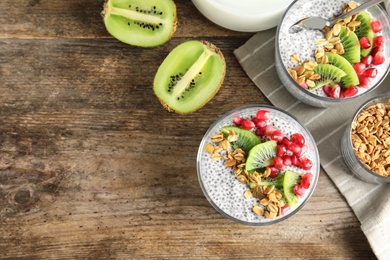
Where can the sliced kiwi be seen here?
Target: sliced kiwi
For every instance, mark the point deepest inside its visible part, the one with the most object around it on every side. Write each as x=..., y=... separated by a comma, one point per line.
x=261, y=155
x=290, y=180
x=364, y=29
x=351, y=45
x=351, y=78
x=145, y=23
x=245, y=139
x=330, y=74
x=190, y=76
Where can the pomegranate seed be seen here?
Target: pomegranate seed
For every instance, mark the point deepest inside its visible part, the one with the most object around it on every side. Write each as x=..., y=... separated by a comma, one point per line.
x=335, y=91
x=278, y=163
x=285, y=141
x=304, y=85
x=364, y=82
x=305, y=163
x=326, y=89
x=274, y=171
x=260, y=131
x=366, y=60
x=237, y=120
x=299, y=190
x=350, y=92
x=364, y=42
x=281, y=150
x=295, y=149
x=295, y=160
x=379, y=40
x=360, y=67
x=298, y=139
x=269, y=129
x=378, y=59
x=277, y=135
x=370, y=73
x=284, y=209
x=263, y=114
x=376, y=25
x=306, y=180
x=375, y=50
x=287, y=160
x=260, y=123
x=247, y=124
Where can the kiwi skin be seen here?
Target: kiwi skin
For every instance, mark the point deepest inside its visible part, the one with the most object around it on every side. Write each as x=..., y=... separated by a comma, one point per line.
x=211, y=47
x=107, y=9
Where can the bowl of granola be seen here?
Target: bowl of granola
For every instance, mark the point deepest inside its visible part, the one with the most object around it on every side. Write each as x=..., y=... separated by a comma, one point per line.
x=339, y=63
x=257, y=165
x=366, y=141
x=243, y=15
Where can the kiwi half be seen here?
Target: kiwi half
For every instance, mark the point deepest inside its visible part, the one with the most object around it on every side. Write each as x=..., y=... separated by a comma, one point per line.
x=261, y=155
x=351, y=45
x=145, y=23
x=245, y=139
x=329, y=73
x=190, y=76
x=364, y=29
x=351, y=78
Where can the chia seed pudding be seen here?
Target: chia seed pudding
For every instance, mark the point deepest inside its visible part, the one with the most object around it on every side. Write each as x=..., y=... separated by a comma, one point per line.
x=220, y=184
x=305, y=43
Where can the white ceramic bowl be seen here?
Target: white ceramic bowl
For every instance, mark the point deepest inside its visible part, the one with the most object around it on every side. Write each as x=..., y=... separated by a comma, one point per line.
x=243, y=15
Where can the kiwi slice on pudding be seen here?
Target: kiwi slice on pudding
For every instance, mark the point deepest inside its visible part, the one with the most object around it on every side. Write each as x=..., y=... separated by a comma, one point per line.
x=351, y=45
x=330, y=74
x=364, y=29
x=261, y=155
x=145, y=23
x=351, y=78
x=246, y=139
x=290, y=180
x=189, y=76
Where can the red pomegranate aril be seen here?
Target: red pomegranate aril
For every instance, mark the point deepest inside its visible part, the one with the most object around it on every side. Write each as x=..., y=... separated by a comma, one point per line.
x=269, y=129
x=364, y=42
x=379, y=58
x=295, y=160
x=260, y=123
x=284, y=209
x=305, y=163
x=304, y=85
x=281, y=150
x=350, y=92
x=299, y=190
x=287, y=160
x=263, y=114
x=298, y=139
x=274, y=171
x=237, y=120
x=247, y=124
x=364, y=82
x=278, y=162
x=376, y=25
x=277, y=135
x=326, y=89
x=295, y=149
x=359, y=68
x=260, y=131
x=370, y=73
x=375, y=50
x=379, y=40
x=306, y=180
x=335, y=91
x=285, y=142
x=366, y=60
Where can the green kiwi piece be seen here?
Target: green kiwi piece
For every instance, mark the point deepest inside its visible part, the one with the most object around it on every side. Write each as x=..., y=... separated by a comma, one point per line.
x=246, y=139
x=364, y=29
x=351, y=78
x=330, y=74
x=144, y=23
x=190, y=76
x=261, y=155
x=351, y=44
x=290, y=180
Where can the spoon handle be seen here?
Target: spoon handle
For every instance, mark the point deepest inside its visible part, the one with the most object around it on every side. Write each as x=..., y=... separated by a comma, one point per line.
x=358, y=9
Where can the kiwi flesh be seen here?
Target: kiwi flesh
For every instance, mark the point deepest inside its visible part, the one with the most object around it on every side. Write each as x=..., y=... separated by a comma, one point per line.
x=329, y=73
x=290, y=180
x=189, y=76
x=246, y=139
x=364, y=29
x=144, y=23
x=351, y=78
x=351, y=45
x=261, y=155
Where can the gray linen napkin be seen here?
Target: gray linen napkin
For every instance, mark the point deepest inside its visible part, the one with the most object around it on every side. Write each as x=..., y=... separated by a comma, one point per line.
x=370, y=202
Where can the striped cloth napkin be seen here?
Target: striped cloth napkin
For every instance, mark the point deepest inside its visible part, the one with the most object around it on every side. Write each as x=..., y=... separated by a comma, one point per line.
x=370, y=202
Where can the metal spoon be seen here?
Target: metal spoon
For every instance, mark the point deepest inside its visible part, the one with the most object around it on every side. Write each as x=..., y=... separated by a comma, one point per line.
x=318, y=23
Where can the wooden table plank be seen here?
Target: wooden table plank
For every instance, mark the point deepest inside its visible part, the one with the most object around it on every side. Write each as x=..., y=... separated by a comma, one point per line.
x=91, y=166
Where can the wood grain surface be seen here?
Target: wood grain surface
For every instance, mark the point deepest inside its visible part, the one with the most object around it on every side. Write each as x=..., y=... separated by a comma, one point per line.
x=92, y=166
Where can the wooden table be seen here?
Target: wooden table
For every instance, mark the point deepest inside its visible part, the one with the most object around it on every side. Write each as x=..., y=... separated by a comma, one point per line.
x=93, y=167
